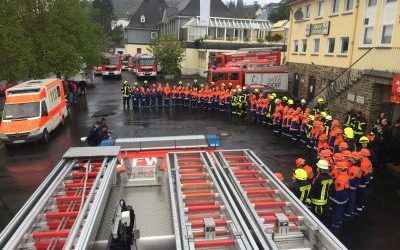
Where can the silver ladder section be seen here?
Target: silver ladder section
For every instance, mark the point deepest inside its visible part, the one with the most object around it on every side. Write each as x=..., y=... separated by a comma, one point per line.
x=203, y=217
x=64, y=212
x=277, y=217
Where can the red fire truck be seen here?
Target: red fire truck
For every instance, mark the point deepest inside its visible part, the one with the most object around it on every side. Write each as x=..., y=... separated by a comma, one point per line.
x=126, y=61
x=262, y=76
x=223, y=59
x=144, y=65
x=112, y=67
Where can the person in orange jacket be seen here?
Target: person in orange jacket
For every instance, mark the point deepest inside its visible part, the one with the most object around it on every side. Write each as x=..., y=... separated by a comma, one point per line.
x=322, y=143
x=337, y=157
x=167, y=95
x=295, y=126
x=355, y=174
x=339, y=196
x=366, y=169
x=276, y=122
x=333, y=134
x=174, y=95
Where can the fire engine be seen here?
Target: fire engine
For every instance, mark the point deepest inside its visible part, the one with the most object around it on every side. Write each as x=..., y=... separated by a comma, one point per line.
x=222, y=59
x=112, y=67
x=126, y=61
x=257, y=70
x=144, y=65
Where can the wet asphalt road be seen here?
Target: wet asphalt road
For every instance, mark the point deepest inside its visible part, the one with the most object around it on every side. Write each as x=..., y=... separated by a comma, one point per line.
x=22, y=169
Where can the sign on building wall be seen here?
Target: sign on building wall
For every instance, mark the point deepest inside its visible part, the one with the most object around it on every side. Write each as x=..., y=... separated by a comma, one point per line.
x=318, y=28
x=395, y=89
x=351, y=97
x=360, y=99
x=269, y=81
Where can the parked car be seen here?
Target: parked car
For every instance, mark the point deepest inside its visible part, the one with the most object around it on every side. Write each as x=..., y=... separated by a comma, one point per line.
x=4, y=85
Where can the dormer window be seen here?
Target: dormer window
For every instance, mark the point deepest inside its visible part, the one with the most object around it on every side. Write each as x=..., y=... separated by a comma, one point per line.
x=142, y=19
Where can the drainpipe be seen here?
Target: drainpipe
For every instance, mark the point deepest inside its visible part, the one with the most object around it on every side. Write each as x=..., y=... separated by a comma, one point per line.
x=354, y=32
x=290, y=35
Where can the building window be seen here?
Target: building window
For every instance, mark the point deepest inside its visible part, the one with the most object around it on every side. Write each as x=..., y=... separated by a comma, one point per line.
x=371, y=3
x=331, y=45
x=387, y=31
x=344, y=45
x=142, y=19
x=320, y=9
x=335, y=6
x=348, y=5
x=316, y=46
x=295, y=46
x=368, y=34
x=304, y=45
x=391, y=1
x=307, y=10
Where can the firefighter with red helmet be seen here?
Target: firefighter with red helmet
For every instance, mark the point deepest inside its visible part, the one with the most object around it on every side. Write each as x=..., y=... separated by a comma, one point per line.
x=355, y=175
x=366, y=169
x=301, y=163
x=339, y=196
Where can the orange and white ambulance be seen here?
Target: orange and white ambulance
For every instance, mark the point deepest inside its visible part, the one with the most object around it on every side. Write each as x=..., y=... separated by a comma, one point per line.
x=32, y=110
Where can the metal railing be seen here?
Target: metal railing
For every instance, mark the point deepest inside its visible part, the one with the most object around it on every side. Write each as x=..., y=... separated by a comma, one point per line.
x=375, y=59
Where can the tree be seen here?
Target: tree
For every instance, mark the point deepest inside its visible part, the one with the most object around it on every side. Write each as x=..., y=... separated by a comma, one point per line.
x=104, y=14
x=169, y=52
x=280, y=13
x=117, y=36
x=239, y=4
x=40, y=37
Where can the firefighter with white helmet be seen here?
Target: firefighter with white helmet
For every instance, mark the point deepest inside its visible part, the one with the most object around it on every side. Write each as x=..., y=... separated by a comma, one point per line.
x=321, y=188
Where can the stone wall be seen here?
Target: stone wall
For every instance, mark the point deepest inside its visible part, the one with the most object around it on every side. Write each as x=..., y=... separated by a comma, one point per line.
x=370, y=87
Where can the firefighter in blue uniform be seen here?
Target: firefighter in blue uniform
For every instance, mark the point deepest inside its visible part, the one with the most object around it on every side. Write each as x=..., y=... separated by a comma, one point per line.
x=148, y=97
x=339, y=196
x=135, y=96
x=153, y=96
x=355, y=175
x=160, y=93
x=142, y=98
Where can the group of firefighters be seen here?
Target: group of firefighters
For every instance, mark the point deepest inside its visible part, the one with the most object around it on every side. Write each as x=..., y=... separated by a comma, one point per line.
x=337, y=184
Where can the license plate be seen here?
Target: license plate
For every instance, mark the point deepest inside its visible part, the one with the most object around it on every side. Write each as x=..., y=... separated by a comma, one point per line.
x=19, y=141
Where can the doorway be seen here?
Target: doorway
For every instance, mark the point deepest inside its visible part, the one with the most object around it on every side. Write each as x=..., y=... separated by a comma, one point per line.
x=312, y=82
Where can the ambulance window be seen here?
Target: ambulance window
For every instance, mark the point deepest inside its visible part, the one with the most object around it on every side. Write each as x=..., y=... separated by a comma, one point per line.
x=234, y=76
x=58, y=91
x=44, y=109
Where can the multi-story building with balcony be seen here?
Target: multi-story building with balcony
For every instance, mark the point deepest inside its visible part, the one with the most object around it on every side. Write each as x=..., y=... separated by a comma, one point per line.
x=347, y=52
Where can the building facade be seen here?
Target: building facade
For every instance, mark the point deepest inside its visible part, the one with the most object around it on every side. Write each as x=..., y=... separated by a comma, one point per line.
x=226, y=32
x=347, y=52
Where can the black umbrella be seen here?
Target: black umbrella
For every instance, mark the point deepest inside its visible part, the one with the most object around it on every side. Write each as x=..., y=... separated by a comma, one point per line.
x=102, y=113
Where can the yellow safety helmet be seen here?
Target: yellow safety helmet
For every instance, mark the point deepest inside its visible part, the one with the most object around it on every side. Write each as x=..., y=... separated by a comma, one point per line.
x=349, y=133
x=125, y=82
x=323, y=114
x=180, y=82
x=201, y=85
x=320, y=100
x=328, y=118
x=290, y=102
x=238, y=86
x=274, y=95
x=244, y=87
x=188, y=83
x=363, y=140
x=136, y=84
x=256, y=90
x=271, y=97
x=311, y=117
x=239, y=90
x=284, y=98
x=195, y=80
x=230, y=84
x=145, y=81
x=222, y=84
x=277, y=101
x=300, y=174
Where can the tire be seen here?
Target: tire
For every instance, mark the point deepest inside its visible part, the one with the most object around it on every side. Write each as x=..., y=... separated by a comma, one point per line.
x=45, y=136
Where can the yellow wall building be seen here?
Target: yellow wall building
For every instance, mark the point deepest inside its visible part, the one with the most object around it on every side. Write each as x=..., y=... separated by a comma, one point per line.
x=345, y=51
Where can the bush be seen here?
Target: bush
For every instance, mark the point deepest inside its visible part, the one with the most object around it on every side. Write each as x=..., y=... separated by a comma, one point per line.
x=169, y=52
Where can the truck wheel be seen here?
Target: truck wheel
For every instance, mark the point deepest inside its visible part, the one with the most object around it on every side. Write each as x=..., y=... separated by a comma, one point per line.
x=45, y=136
